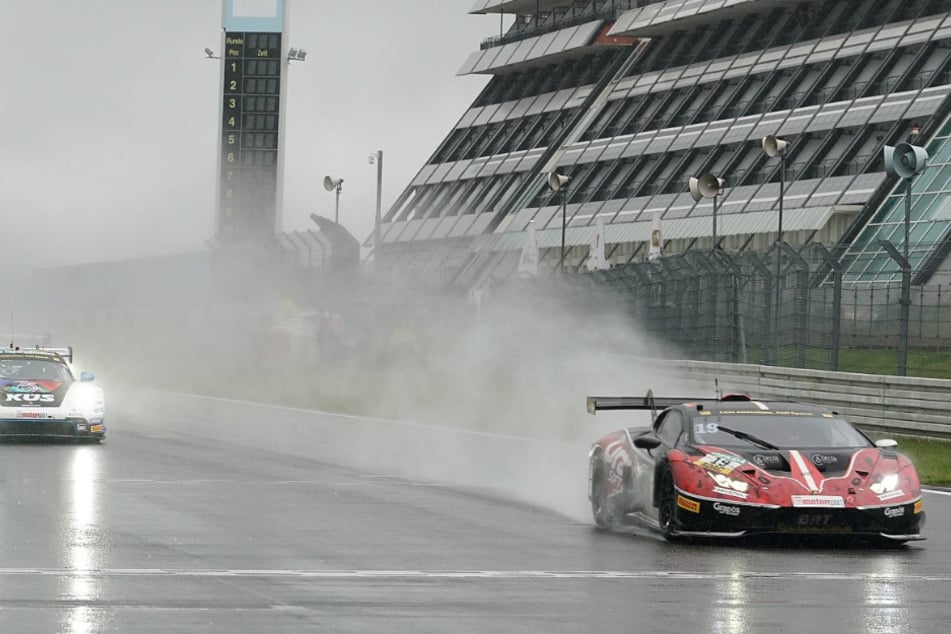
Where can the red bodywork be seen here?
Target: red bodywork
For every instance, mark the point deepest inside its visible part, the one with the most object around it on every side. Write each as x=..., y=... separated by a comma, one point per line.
x=694, y=475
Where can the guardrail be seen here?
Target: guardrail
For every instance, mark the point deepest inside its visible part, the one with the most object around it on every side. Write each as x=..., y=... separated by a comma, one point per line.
x=901, y=405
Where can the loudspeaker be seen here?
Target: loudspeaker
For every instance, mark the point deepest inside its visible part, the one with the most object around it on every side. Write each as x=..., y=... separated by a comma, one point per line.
x=774, y=146
x=707, y=186
x=331, y=183
x=905, y=160
x=556, y=181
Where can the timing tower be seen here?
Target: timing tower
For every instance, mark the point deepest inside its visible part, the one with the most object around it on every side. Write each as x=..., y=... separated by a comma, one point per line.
x=250, y=159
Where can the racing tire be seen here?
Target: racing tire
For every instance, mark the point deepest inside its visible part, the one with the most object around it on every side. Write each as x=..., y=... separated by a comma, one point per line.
x=666, y=509
x=601, y=508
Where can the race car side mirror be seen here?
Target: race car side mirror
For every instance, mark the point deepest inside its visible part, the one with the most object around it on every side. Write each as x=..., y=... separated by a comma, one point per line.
x=87, y=376
x=647, y=442
x=886, y=443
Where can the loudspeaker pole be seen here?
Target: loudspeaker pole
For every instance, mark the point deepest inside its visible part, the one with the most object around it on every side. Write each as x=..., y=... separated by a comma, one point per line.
x=707, y=186
x=714, y=222
x=782, y=188
x=779, y=257
x=557, y=182
x=905, y=289
x=337, y=207
x=905, y=161
x=564, y=224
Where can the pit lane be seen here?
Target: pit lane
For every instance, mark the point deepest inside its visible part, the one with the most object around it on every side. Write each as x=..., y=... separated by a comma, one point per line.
x=221, y=516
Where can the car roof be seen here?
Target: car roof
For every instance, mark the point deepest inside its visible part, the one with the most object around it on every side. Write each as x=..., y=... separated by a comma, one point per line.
x=43, y=355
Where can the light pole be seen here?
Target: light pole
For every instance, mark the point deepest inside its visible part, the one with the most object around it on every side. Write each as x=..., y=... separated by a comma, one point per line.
x=377, y=157
x=557, y=182
x=905, y=161
x=332, y=184
x=707, y=186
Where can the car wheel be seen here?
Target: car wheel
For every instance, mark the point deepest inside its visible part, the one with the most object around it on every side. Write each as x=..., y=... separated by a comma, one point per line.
x=600, y=505
x=665, y=511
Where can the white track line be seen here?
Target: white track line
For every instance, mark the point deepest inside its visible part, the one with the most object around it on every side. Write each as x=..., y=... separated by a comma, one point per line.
x=782, y=576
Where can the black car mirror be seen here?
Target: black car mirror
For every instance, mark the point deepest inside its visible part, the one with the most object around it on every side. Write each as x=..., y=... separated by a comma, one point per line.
x=647, y=442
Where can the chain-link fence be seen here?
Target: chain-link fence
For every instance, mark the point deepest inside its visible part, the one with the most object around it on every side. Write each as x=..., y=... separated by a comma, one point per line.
x=783, y=307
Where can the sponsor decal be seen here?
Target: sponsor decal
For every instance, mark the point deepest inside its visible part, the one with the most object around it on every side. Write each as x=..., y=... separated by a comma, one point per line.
x=82, y=427
x=688, y=505
x=825, y=523
x=29, y=398
x=891, y=495
x=96, y=428
x=814, y=520
x=23, y=387
x=29, y=387
x=726, y=509
x=767, y=411
x=720, y=462
x=768, y=461
x=919, y=506
x=820, y=460
x=730, y=492
x=30, y=414
x=829, y=501
x=895, y=511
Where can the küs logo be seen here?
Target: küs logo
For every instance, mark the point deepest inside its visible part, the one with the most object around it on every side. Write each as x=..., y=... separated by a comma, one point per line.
x=30, y=398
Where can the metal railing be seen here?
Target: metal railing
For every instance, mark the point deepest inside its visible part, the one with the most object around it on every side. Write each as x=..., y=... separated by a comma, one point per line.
x=532, y=25
x=904, y=405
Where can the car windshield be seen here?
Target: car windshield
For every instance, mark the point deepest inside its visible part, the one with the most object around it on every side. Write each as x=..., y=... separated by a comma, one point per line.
x=784, y=431
x=33, y=370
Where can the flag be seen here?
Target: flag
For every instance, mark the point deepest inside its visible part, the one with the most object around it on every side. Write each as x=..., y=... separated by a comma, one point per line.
x=528, y=262
x=657, y=240
x=596, y=259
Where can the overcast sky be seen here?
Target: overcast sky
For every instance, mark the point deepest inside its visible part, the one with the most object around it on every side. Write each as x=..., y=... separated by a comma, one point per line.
x=110, y=114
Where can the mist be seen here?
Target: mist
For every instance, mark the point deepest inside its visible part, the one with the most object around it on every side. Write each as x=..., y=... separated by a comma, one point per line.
x=112, y=118
x=108, y=178
x=491, y=396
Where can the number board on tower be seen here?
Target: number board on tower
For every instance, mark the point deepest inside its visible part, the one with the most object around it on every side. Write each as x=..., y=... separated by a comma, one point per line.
x=249, y=137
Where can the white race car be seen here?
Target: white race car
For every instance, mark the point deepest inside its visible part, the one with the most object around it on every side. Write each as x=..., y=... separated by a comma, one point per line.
x=40, y=397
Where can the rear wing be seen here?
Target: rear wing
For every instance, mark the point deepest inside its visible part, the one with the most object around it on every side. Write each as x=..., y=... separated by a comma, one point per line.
x=648, y=401
x=651, y=402
x=65, y=352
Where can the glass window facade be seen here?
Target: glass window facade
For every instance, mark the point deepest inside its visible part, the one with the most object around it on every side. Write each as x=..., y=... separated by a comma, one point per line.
x=866, y=262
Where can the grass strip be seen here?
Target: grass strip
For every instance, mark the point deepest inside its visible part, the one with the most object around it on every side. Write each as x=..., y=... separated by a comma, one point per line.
x=932, y=459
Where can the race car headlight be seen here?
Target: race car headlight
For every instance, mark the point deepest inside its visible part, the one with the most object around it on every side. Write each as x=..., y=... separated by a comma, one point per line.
x=86, y=400
x=885, y=485
x=729, y=483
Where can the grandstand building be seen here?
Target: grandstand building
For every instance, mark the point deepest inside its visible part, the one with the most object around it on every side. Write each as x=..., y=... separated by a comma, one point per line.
x=631, y=98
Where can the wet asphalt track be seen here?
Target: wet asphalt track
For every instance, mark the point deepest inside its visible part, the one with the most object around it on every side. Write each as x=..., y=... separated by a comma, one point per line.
x=165, y=529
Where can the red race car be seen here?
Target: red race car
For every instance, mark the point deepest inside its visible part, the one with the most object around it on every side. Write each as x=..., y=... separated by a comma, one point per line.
x=736, y=467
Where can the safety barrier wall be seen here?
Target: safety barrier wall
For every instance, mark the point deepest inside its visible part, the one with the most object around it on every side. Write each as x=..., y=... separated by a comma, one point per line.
x=907, y=405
